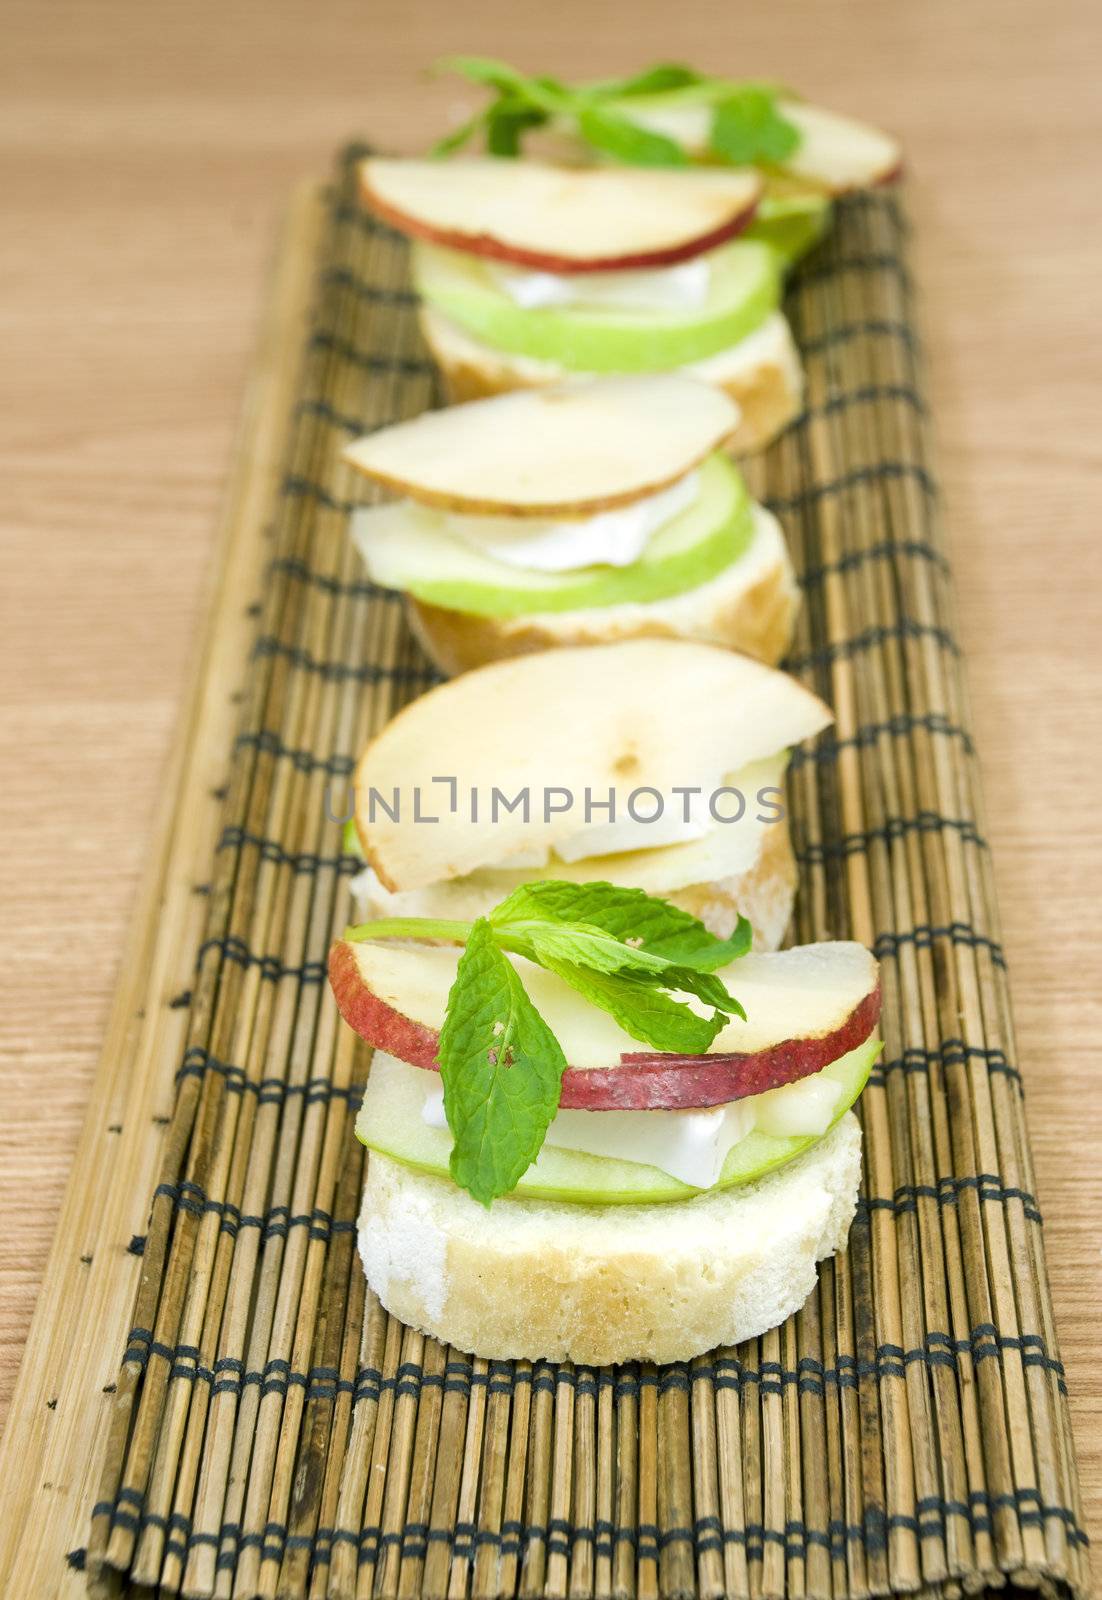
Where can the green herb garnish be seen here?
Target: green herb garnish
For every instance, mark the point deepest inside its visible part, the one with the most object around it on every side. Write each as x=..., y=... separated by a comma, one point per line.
x=624, y=951
x=502, y=1069
x=748, y=128
x=747, y=125
x=618, y=136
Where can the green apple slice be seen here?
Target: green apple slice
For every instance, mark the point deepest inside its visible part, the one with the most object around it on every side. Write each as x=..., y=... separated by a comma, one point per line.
x=390, y=1121
x=409, y=547
x=744, y=289
x=790, y=224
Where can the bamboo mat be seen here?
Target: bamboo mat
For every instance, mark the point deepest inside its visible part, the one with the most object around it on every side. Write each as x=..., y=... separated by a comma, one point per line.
x=269, y=1430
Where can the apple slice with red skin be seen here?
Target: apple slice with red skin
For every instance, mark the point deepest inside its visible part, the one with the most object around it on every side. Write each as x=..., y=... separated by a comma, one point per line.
x=567, y=450
x=395, y=996
x=836, y=154
x=562, y=219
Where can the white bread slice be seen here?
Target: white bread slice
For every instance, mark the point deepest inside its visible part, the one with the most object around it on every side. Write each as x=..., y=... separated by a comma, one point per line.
x=751, y=607
x=763, y=892
x=761, y=373
x=529, y=1279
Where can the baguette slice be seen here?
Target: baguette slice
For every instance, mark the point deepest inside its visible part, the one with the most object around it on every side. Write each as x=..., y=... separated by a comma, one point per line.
x=761, y=374
x=597, y=1284
x=751, y=608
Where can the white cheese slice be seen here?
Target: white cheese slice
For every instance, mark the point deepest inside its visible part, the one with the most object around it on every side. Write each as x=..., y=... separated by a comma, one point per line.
x=690, y=1145
x=609, y=538
x=681, y=287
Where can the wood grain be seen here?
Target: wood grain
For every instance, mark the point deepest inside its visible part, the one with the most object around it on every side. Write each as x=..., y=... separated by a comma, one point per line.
x=147, y=155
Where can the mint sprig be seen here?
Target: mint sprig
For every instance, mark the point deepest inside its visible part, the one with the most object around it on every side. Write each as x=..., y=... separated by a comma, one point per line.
x=502, y=1070
x=623, y=950
x=748, y=128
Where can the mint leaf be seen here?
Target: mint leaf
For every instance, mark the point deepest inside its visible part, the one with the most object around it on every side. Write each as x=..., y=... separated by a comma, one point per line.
x=502, y=1070
x=487, y=70
x=506, y=120
x=628, y=914
x=547, y=94
x=646, y=1012
x=617, y=136
x=711, y=955
x=595, y=952
x=747, y=127
x=350, y=840
x=588, y=946
x=652, y=80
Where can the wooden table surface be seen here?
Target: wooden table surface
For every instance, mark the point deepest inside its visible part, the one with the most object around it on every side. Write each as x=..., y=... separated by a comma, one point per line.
x=146, y=154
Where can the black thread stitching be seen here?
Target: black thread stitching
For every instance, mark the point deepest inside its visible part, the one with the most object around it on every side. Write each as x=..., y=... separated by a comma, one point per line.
x=950, y=1053
x=342, y=671
x=946, y=1192
x=868, y=328
x=198, y=1061
x=378, y=294
x=889, y=832
x=368, y=361
x=272, y=969
x=355, y=588
x=329, y=413
x=871, y=639
x=875, y=261
x=299, y=861
x=876, y=472
x=269, y=743
x=828, y=749
x=559, y=1534
x=867, y=394
x=924, y=935
x=886, y=550
x=366, y=221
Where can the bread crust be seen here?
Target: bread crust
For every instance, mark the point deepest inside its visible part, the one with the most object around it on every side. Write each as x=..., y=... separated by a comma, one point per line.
x=600, y=1284
x=752, y=611
x=769, y=394
x=764, y=895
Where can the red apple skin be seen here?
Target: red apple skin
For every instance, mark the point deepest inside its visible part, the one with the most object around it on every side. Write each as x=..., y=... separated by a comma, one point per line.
x=485, y=245
x=647, y=1081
